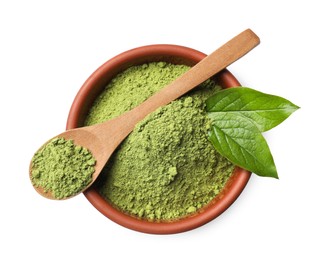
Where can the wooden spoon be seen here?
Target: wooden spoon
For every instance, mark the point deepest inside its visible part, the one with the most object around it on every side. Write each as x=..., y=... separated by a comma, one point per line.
x=103, y=139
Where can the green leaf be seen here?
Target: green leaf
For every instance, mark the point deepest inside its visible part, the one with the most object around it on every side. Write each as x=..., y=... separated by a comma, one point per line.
x=240, y=141
x=267, y=111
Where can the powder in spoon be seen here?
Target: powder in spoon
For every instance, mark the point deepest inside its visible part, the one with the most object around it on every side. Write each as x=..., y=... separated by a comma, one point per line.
x=62, y=168
x=166, y=168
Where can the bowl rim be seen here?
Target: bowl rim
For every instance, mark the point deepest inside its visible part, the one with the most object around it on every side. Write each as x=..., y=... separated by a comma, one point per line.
x=217, y=206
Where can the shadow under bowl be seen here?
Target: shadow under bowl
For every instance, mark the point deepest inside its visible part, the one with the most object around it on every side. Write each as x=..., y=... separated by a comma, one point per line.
x=96, y=83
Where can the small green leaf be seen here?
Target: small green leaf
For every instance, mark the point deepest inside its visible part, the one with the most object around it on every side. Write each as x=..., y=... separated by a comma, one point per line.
x=239, y=140
x=267, y=111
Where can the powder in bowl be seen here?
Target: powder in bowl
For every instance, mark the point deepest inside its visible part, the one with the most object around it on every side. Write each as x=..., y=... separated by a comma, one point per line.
x=166, y=168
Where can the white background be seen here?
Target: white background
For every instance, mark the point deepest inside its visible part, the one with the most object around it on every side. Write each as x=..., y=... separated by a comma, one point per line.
x=49, y=48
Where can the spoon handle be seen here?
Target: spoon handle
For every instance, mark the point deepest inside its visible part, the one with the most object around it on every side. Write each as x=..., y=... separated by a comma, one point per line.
x=205, y=69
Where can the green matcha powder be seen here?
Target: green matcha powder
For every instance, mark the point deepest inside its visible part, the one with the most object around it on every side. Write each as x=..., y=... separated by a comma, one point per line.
x=62, y=168
x=166, y=168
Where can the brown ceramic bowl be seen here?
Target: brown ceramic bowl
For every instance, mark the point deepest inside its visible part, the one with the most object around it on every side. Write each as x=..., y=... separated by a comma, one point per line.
x=94, y=86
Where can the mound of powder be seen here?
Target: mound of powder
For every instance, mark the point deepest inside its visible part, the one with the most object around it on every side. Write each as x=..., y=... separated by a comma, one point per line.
x=62, y=168
x=166, y=168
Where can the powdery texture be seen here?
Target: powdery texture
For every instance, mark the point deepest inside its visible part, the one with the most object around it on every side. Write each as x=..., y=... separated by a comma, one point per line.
x=62, y=168
x=166, y=168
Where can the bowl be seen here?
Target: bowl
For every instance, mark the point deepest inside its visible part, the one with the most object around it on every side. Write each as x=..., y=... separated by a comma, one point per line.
x=95, y=84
